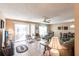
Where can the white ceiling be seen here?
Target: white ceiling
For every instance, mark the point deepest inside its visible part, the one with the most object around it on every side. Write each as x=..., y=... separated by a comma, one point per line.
x=58, y=13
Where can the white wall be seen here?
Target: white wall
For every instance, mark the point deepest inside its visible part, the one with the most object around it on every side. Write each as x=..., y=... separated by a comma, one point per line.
x=54, y=28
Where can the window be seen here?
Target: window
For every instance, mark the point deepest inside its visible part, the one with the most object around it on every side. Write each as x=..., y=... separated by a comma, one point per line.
x=42, y=30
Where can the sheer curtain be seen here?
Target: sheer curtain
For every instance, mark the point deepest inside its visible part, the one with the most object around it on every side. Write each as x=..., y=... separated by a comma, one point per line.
x=42, y=30
x=32, y=29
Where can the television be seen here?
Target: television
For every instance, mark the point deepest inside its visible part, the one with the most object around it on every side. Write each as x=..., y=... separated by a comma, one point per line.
x=6, y=34
x=6, y=38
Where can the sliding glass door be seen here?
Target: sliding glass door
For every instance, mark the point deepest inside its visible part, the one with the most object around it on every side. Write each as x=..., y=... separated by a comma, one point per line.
x=21, y=30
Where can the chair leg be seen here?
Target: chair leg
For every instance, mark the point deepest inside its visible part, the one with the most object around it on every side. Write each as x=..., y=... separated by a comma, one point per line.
x=44, y=50
x=49, y=53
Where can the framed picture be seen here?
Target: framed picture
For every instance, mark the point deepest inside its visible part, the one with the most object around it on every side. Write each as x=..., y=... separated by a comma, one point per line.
x=59, y=28
x=65, y=28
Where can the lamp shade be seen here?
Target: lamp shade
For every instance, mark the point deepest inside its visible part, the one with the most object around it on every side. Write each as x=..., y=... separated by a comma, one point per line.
x=55, y=43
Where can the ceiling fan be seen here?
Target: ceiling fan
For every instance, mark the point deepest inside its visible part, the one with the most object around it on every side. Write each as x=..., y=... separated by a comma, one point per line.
x=46, y=19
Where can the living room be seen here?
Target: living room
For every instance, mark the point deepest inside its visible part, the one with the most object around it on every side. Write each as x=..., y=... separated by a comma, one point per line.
x=38, y=29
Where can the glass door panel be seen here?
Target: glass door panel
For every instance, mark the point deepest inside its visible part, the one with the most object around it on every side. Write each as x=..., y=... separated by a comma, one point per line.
x=21, y=30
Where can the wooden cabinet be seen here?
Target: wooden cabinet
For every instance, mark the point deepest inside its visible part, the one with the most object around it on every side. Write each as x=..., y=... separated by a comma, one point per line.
x=0, y=39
